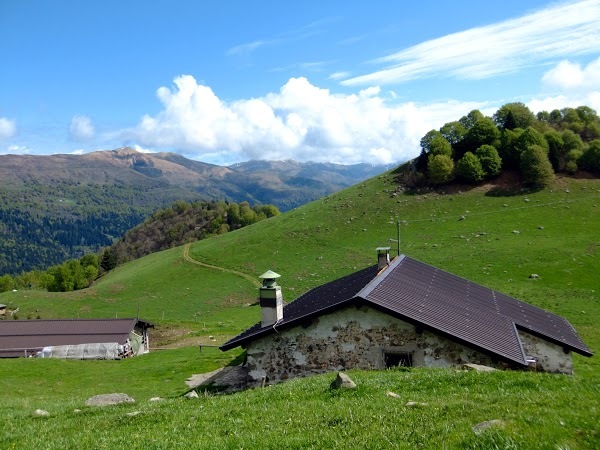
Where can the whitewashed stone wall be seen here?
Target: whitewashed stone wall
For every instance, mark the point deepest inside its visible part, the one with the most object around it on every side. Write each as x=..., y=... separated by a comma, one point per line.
x=549, y=357
x=347, y=339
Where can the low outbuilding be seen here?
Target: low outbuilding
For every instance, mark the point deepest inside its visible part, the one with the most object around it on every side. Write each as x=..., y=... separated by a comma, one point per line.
x=74, y=338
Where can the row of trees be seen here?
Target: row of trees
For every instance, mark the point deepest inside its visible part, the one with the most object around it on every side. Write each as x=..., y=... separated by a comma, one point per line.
x=476, y=147
x=176, y=225
x=71, y=275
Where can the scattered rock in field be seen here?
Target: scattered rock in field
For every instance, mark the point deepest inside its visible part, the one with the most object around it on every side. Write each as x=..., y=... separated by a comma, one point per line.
x=461, y=218
x=478, y=367
x=108, y=399
x=132, y=414
x=516, y=232
x=76, y=411
x=392, y=394
x=40, y=413
x=505, y=205
x=416, y=404
x=534, y=276
x=342, y=381
x=191, y=394
x=567, y=191
x=540, y=227
x=482, y=426
x=155, y=399
x=525, y=199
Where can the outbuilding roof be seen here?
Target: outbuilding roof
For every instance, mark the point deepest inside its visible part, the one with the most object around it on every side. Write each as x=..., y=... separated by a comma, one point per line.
x=26, y=337
x=432, y=299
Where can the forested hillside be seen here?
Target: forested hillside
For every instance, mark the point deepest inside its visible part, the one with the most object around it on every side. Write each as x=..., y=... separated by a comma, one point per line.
x=475, y=147
x=59, y=207
x=182, y=223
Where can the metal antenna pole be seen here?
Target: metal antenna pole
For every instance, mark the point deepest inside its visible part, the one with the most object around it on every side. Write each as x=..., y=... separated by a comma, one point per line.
x=398, y=238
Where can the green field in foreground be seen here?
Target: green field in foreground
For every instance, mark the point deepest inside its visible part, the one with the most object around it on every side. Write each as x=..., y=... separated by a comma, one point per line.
x=496, y=238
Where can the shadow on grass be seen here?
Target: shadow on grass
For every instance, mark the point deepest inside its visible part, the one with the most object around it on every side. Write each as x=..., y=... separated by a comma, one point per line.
x=511, y=191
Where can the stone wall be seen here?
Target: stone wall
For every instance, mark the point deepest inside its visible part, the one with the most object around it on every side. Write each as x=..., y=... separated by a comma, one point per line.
x=549, y=357
x=347, y=339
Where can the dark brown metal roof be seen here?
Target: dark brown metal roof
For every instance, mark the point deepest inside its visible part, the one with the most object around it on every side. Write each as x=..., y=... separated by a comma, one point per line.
x=20, y=337
x=437, y=300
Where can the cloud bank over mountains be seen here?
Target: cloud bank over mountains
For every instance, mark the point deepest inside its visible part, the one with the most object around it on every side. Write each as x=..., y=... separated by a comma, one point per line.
x=301, y=121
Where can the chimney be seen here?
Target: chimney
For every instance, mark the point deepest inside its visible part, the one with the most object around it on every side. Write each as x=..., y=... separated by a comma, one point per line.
x=270, y=299
x=383, y=257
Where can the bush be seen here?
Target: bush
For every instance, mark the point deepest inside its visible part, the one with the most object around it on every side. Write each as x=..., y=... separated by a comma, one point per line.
x=490, y=160
x=590, y=160
x=469, y=168
x=440, y=169
x=536, y=167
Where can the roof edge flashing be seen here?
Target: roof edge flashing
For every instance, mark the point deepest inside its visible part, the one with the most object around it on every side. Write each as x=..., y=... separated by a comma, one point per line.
x=364, y=292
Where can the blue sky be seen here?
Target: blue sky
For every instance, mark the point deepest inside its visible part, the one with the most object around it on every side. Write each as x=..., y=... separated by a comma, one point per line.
x=229, y=81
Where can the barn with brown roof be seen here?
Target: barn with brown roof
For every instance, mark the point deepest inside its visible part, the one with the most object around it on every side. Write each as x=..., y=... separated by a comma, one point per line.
x=402, y=312
x=74, y=338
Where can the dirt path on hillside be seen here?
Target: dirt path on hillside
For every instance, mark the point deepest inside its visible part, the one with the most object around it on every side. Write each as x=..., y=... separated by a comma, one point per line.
x=187, y=257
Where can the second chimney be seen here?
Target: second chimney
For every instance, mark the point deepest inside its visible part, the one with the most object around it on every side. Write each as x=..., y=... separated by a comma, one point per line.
x=383, y=257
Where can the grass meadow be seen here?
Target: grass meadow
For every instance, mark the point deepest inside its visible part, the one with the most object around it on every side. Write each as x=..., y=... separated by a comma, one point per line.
x=496, y=237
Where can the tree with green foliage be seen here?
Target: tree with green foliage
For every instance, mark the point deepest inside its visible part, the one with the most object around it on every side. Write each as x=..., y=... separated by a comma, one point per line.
x=108, y=259
x=491, y=162
x=511, y=157
x=529, y=137
x=556, y=151
x=470, y=119
x=428, y=138
x=535, y=166
x=469, y=168
x=483, y=132
x=440, y=169
x=514, y=115
x=453, y=132
x=6, y=283
x=590, y=159
x=440, y=146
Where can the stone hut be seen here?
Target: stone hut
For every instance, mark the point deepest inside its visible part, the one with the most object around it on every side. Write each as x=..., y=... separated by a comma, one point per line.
x=401, y=312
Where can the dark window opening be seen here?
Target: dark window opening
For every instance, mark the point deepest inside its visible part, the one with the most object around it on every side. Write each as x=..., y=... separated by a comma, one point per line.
x=397, y=359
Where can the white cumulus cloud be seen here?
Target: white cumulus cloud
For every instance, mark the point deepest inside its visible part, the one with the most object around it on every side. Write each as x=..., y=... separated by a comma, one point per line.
x=300, y=121
x=81, y=128
x=8, y=128
x=572, y=85
x=572, y=76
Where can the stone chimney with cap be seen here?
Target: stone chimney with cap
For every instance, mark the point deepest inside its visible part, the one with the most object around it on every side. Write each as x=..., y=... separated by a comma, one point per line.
x=383, y=257
x=270, y=299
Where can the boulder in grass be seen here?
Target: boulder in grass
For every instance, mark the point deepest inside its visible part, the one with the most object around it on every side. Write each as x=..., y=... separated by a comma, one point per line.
x=40, y=413
x=342, y=381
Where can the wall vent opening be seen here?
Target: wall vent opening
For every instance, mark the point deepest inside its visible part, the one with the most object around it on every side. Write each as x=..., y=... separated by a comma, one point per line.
x=397, y=359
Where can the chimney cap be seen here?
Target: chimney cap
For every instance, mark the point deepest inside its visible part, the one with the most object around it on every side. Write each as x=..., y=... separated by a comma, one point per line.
x=269, y=275
x=382, y=249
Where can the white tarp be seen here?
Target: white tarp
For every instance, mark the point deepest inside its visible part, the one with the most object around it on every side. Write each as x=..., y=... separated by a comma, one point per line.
x=109, y=350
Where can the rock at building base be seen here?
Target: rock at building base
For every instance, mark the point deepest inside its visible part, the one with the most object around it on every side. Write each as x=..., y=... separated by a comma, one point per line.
x=342, y=381
x=479, y=368
x=191, y=394
x=108, y=399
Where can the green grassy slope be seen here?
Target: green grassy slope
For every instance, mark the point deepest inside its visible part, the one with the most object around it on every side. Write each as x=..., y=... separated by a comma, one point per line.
x=557, y=239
